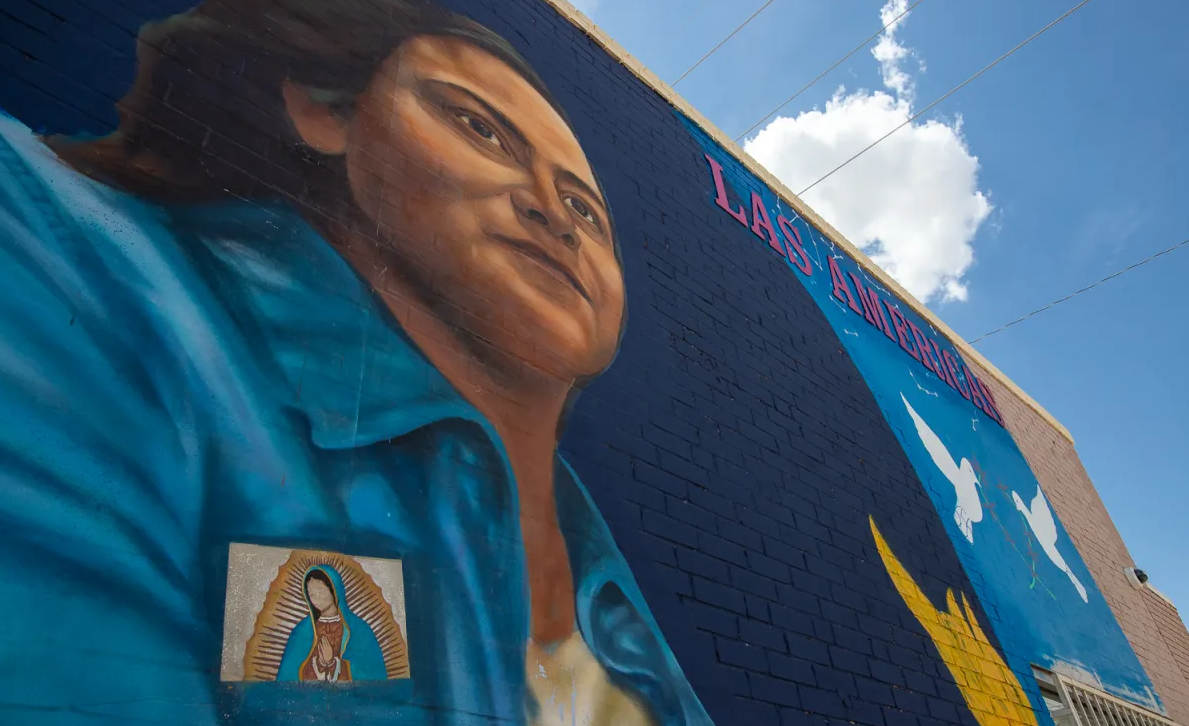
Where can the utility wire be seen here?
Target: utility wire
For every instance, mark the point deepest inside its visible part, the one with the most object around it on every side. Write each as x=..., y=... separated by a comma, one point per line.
x=722, y=42
x=957, y=88
x=1084, y=289
x=823, y=74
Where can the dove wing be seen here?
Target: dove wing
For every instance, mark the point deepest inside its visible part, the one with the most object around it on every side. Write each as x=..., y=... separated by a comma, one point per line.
x=1042, y=516
x=933, y=444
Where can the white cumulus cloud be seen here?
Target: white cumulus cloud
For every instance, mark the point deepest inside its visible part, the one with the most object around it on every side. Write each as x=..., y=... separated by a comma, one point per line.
x=890, y=53
x=913, y=202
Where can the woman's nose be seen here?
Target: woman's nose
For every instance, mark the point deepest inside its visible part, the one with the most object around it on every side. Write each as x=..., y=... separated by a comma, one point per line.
x=545, y=208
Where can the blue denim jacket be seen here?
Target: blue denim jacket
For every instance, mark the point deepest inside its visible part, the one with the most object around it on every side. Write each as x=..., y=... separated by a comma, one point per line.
x=175, y=379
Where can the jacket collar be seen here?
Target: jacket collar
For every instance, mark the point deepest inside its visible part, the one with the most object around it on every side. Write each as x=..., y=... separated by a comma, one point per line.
x=347, y=365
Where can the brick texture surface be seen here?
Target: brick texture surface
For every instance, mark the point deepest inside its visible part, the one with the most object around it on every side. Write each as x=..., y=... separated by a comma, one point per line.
x=1172, y=628
x=1158, y=637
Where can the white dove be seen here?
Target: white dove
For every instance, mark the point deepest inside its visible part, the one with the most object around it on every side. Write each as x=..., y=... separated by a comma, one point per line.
x=969, y=508
x=1040, y=519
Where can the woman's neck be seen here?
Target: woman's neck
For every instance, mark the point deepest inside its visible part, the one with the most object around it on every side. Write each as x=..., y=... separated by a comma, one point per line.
x=329, y=613
x=524, y=405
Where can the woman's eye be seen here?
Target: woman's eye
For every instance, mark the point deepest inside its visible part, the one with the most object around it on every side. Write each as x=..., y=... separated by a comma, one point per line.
x=582, y=209
x=481, y=129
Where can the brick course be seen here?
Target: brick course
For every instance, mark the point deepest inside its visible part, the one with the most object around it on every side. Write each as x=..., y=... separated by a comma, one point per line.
x=1171, y=627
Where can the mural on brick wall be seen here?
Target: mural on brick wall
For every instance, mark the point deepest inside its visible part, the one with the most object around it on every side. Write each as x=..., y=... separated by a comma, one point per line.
x=1025, y=570
x=328, y=290
x=289, y=345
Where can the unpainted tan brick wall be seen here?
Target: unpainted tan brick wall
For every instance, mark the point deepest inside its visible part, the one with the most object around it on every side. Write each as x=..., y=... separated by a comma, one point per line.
x=1172, y=627
x=1068, y=488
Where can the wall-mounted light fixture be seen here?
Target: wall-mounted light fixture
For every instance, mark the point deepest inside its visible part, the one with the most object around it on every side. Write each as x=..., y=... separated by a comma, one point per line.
x=1135, y=576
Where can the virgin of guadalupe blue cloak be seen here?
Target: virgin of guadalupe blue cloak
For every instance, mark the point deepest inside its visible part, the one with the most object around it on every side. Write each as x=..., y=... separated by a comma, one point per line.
x=360, y=647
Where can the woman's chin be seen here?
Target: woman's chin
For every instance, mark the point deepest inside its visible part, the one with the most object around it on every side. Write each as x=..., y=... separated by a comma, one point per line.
x=555, y=342
x=559, y=365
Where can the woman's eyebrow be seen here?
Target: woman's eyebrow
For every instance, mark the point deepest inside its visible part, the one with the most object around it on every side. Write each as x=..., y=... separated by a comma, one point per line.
x=502, y=120
x=498, y=117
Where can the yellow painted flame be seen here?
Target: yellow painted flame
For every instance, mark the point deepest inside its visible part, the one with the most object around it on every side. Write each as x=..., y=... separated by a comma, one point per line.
x=990, y=688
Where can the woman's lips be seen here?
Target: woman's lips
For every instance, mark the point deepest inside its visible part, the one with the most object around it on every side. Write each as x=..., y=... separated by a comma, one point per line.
x=535, y=254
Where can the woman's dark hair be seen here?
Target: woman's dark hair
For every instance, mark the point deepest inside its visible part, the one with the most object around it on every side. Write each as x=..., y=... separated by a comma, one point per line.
x=320, y=576
x=205, y=118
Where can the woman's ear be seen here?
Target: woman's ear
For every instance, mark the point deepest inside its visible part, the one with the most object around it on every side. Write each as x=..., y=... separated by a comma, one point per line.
x=319, y=127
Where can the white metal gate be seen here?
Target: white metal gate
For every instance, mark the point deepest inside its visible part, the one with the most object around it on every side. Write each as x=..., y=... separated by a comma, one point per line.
x=1075, y=704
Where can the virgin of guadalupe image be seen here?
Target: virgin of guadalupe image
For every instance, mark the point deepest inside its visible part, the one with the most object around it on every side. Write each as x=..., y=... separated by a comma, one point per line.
x=331, y=644
x=334, y=282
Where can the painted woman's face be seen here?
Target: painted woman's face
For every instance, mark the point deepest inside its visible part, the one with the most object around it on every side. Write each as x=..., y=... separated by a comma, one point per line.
x=320, y=595
x=488, y=205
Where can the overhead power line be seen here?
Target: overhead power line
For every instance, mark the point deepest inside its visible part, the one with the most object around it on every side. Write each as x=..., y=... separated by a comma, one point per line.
x=824, y=73
x=1079, y=292
x=723, y=42
x=957, y=88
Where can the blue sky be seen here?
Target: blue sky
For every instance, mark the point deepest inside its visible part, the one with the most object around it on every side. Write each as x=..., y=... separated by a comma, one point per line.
x=1081, y=170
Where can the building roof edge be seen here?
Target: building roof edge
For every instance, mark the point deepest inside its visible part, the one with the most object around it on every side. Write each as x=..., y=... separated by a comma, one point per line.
x=577, y=18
